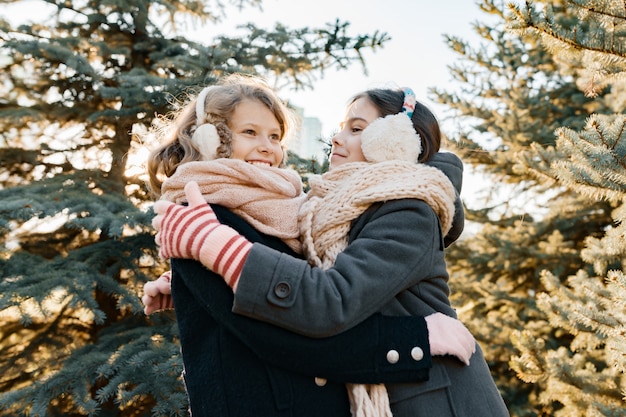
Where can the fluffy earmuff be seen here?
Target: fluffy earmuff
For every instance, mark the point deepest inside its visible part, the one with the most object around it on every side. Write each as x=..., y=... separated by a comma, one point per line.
x=206, y=140
x=391, y=138
x=205, y=137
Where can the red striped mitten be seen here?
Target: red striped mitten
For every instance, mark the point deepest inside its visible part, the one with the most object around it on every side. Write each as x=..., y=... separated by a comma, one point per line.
x=193, y=232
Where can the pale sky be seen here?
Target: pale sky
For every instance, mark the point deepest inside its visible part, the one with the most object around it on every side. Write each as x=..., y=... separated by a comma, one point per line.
x=415, y=57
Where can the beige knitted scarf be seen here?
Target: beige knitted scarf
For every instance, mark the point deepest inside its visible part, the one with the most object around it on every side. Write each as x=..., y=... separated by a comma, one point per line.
x=340, y=196
x=266, y=197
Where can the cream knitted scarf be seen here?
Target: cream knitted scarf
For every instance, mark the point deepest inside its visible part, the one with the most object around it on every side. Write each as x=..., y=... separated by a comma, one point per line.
x=340, y=196
x=266, y=197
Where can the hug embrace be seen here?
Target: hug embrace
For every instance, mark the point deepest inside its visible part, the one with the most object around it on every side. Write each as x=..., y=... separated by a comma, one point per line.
x=331, y=303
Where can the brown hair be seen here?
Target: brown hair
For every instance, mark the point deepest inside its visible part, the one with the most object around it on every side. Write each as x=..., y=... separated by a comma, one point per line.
x=389, y=101
x=176, y=129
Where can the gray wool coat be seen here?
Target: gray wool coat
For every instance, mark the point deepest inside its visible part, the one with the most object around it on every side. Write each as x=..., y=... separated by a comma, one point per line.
x=394, y=264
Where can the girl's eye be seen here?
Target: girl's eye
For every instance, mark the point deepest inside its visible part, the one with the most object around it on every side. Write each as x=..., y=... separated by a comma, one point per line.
x=249, y=132
x=275, y=138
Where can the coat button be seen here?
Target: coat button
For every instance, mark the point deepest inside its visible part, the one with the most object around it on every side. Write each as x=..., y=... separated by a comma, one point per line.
x=393, y=356
x=282, y=289
x=417, y=353
x=320, y=382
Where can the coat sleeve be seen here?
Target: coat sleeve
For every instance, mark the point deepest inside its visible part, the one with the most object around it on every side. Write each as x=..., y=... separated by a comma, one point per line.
x=358, y=355
x=397, y=245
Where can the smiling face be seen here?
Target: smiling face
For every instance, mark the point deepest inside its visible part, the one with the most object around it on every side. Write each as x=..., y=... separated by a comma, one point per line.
x=256, y=134
x=347, y=142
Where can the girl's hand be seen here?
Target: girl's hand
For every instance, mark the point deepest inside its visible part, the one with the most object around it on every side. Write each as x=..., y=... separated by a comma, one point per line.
x=157, y=294
x=448, y=336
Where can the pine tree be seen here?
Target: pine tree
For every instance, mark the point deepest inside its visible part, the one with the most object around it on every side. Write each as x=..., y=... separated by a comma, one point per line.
x=515, y=93
x=77, y=87
x=592, y=39
x=587, y=376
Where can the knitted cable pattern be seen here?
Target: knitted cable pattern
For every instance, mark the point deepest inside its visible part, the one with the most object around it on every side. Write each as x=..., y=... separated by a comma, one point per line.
x=341, y=195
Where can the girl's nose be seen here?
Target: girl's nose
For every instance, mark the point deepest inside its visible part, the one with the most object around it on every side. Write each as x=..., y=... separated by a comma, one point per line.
x=336, y=139
x=265, y=144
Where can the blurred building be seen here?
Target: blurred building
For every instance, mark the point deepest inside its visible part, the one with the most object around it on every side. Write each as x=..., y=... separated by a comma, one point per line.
x=307, y=142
